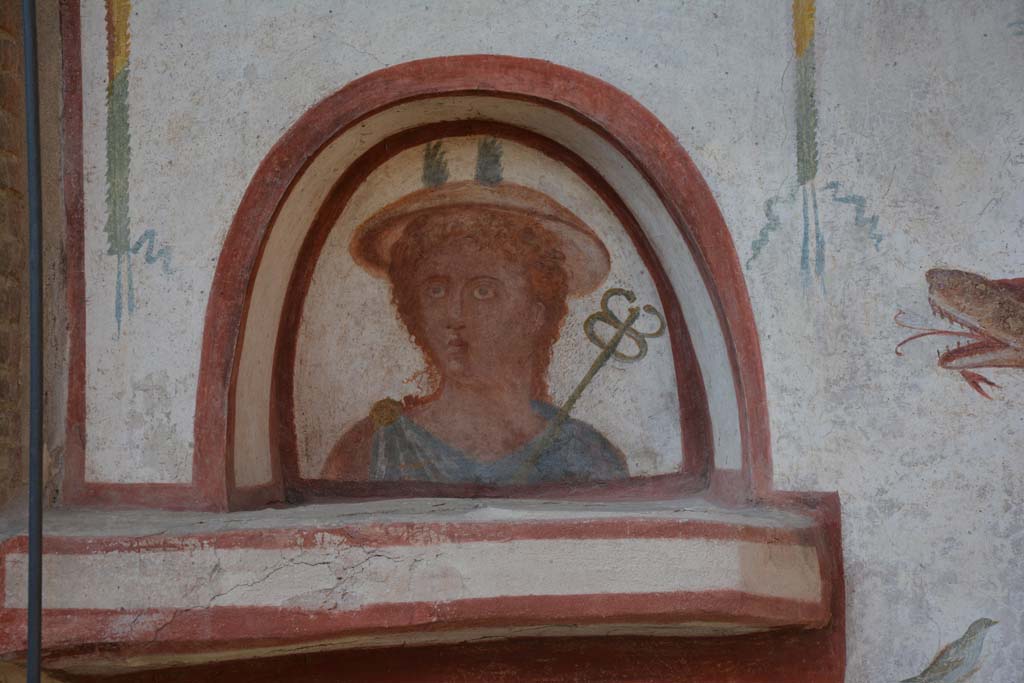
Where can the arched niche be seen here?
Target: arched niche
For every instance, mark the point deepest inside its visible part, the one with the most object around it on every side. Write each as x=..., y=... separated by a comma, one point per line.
x=247, y=443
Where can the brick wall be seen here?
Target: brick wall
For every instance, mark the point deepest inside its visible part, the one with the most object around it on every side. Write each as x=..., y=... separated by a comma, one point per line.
x=13, y=253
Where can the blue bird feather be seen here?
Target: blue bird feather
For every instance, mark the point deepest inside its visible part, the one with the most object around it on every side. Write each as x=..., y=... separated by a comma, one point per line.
x=957, y=661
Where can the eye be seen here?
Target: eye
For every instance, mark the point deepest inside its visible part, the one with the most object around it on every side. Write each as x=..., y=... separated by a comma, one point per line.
x=436, y=290
x=483, y=292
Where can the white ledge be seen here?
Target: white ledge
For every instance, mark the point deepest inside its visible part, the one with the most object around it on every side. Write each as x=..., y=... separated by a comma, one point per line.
x=411, y=571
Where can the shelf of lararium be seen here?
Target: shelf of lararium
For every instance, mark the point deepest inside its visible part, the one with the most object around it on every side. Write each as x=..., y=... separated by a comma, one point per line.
x=137, y=589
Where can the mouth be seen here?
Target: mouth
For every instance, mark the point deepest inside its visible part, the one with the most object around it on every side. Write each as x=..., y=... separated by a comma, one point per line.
x=980, y=344
x=457, y=343
x=966, y=331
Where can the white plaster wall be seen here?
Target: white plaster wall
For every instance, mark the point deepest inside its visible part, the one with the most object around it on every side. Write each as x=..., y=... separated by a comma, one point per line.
x=920, y=113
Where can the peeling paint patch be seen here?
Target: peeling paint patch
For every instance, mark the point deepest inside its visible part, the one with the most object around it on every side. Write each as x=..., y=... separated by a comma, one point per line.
x=150, y=419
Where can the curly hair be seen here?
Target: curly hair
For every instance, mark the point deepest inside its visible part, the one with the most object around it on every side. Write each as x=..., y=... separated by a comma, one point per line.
x=518, y=237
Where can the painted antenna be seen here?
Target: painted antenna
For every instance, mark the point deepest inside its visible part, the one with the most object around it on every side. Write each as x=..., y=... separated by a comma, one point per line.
x=488, y=162
x=435, y=166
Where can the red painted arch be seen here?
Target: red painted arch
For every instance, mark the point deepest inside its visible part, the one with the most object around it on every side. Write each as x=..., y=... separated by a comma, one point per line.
x=621, y=120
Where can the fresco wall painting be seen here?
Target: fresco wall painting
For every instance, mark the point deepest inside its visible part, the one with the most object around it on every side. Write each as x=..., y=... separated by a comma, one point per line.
x=468, y=403
x=118, y=228
x=813, y=244
x=990, y=315
x=482, y=354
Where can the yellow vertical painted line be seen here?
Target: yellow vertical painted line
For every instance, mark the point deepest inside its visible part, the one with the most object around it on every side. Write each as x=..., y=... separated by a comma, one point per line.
x=118, y=40
x=803, y=25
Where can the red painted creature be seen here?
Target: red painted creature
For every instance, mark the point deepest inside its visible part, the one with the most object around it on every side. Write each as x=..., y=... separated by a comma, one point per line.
x=991, y=313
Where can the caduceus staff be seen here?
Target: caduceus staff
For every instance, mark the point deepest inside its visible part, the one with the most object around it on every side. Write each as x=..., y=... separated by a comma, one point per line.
x=609, y=350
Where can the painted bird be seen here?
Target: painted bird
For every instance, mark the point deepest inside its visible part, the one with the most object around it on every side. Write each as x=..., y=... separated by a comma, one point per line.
x=956, y=662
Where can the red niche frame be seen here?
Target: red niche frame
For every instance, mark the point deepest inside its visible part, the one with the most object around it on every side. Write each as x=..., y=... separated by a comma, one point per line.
x=623, y=122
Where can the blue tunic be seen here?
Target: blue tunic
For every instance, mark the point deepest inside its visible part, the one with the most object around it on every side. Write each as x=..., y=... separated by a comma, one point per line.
x=405, y=451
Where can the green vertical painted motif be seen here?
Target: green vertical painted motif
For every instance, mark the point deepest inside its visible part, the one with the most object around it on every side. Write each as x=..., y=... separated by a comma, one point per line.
x=488, y=162
x=119, y=156
x=118, y=153
x=806, y=118
x=806, y=109
x=118, y=161
x=435, y=165
x=807, y=137
x=812, y=246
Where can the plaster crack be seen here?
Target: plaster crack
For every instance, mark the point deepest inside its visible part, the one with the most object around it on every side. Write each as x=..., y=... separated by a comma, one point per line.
x=333, y=597
x=363, y=51
x=290, y=563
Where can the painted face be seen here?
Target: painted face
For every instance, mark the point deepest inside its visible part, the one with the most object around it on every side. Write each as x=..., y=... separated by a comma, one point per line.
x=477, y=315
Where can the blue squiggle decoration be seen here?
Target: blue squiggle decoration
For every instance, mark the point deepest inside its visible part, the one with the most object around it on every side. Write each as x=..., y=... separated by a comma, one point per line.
x=805, y=243
x=163, y=254
x=124, y=296
x=860, y=219
x=819, y=241
x=772, y=223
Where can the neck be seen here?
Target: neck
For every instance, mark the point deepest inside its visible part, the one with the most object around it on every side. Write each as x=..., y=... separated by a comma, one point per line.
x=501, y=397
x=483, y=419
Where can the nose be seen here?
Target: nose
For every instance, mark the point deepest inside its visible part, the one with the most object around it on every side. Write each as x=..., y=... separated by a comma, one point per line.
x=945, y=280
x=455, y=320
x=938, y=277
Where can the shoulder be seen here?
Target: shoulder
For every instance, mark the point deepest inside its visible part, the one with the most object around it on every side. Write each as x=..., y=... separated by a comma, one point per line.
x=351, y=456
x=596, y=445
x=587, y=449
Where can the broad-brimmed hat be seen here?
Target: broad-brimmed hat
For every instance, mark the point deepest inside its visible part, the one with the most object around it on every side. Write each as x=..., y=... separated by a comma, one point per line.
x=587, y=261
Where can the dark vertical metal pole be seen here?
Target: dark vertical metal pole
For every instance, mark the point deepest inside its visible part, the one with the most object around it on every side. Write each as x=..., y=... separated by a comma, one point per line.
x=35, y=288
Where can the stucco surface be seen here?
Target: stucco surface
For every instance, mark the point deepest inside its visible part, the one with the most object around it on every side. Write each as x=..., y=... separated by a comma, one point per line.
x=360, y=574
x=152, y=523
x=336, y=576
x=919, y=112
x=920, y=122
